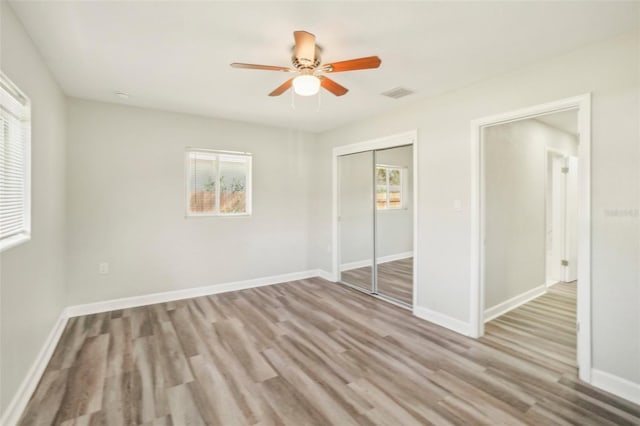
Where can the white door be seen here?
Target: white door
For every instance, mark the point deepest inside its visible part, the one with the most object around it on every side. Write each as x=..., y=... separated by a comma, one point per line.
x=571, y=246
x=562, y=212
x=555, y=218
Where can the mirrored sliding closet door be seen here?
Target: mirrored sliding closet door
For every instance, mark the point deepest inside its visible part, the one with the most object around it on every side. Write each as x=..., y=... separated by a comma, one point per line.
x=356, y=221
x=375, y=209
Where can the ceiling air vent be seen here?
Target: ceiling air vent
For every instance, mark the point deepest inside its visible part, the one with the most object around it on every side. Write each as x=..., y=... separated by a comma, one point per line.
x=397, y=93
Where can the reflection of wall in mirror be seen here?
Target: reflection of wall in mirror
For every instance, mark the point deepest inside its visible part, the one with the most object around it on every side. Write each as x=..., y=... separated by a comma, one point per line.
x=394, y=226
x=356, y=208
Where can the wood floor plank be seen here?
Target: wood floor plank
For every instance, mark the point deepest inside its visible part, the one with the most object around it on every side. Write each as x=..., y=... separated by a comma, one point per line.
x=184, y=410
x=151, y=400
x=86, y=379
x=311, y=352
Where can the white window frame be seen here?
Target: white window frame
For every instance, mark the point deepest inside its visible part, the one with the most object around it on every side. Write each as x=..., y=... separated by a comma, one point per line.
x=10, y=93
x=248, y=187
x=403, y=188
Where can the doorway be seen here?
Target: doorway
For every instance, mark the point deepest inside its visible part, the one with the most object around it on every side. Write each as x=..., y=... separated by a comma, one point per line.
x=514, y=217
x=374, y=218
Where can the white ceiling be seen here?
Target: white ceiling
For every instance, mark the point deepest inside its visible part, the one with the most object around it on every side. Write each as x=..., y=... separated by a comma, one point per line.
x=176, y=55
x=567, y=121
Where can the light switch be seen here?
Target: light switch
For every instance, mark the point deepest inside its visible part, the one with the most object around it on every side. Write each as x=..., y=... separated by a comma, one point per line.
x=457, y=205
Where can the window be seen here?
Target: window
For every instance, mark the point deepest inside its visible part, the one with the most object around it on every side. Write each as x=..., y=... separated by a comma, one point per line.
x=390, y=181
x=15, y=163
x=218, y=183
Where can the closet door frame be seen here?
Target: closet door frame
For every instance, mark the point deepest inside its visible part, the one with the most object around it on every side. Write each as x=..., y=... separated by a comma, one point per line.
x=401, y=139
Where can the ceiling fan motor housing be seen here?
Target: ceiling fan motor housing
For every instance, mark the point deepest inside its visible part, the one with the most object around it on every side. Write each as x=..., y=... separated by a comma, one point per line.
x=300, y=63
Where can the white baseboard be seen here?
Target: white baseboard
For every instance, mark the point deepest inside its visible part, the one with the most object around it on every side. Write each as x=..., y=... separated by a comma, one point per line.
x=616, y=385
x=514, y=302
x=368, y=262
x=19, y=402
x=443, y=320
x=355, y=265
x=325, y=275
x=168, y=296
x=551, y=283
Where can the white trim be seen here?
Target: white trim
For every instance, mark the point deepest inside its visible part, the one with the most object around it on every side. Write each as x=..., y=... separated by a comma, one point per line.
x=367, y=262
x=616, y=385
x=583, y=104
x=510, y=304
x=168, y=296
x=21, y=398
x=14, y=240
x=325, y=275
x=551, y=283
x=443, y=320
x=13, y=91
x=355, y=265
x=400, y=139
x=416, y=208
x=385, y=142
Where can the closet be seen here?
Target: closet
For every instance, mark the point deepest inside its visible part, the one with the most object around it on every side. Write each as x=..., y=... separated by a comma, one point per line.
x=375, y=222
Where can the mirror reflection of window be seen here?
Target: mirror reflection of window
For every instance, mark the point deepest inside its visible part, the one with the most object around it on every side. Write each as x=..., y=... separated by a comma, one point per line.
x=389, y=187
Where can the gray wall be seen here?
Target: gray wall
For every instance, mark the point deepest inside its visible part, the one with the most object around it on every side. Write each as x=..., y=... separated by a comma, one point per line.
x=126, y=203
x=355, y=205
x=515, y=228
x=609, y=70
x=32, y=284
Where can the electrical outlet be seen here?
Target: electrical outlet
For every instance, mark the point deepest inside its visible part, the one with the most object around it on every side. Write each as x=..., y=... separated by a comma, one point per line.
x=103, y=268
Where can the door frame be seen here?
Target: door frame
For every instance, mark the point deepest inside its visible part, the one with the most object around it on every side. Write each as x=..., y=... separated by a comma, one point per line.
x=582, y=103
x=391, y=141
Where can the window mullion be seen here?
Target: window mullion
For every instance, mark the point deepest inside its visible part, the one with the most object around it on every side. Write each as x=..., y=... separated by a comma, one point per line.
x=388, y=188
x=218, y=187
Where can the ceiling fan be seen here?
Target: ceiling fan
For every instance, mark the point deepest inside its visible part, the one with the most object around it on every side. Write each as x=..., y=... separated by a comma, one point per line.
x=310, y=74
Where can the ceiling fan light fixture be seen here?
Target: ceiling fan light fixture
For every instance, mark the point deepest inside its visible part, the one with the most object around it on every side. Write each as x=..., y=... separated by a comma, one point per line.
x=306, y=85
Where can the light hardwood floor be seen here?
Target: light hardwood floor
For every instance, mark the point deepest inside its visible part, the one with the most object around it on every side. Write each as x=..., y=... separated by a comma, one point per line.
x=313, y=352
x=395, y=279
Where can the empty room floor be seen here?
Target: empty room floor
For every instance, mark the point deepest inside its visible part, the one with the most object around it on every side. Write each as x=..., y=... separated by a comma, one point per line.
x=313, y=352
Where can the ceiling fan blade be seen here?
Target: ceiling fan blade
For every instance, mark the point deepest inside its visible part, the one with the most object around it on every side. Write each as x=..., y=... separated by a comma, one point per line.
x=282, y=88
x=260, y=67
x=332, y=86
x=305, y=49
x=352, y=64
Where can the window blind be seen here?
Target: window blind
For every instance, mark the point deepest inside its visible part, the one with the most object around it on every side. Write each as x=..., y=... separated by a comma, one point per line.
x=14, y=163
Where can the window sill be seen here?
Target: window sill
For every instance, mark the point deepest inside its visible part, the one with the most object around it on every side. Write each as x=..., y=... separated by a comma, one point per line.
x=397, y=209
x=197, y=216
x=13, y=241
